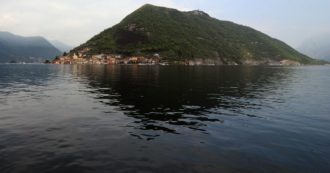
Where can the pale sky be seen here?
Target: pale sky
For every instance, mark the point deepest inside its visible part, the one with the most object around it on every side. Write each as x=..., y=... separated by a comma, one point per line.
x=75, y=21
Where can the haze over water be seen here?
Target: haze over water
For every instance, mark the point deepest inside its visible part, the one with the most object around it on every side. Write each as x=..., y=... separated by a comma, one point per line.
x=100, y=118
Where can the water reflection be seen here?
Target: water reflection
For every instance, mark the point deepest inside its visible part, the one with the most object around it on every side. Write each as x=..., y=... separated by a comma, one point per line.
x=165, y=98
x=149, y=119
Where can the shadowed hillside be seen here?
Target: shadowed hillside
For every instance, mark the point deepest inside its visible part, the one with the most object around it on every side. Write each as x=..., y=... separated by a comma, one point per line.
x=25, y=49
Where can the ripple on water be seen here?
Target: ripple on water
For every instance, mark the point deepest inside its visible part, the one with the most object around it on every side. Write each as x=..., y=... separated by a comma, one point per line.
x=151, y=119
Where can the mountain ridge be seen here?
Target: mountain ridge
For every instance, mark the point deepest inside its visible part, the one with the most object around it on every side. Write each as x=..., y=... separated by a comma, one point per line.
x=61, y=46
x=177, y=35
x=25, y=49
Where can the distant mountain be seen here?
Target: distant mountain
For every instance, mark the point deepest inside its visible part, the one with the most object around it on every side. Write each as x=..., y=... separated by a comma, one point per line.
x=61, y=46
x=317, y=47
x=25, y=49
x=177, y=35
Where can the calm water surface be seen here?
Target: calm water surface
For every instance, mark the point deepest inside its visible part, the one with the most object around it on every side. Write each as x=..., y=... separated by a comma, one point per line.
x=100, y=118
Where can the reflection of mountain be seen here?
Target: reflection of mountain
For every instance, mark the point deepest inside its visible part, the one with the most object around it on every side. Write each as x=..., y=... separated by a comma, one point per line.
x=17, y=78
x=163, y=98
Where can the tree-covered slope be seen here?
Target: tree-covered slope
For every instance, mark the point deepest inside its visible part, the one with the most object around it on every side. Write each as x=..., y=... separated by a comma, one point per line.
x=187, y=35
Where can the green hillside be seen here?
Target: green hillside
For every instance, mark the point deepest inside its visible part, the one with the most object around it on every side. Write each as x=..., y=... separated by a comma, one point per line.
x=177, y=35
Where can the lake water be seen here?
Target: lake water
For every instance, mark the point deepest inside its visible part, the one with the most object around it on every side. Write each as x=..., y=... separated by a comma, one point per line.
x=99, y=118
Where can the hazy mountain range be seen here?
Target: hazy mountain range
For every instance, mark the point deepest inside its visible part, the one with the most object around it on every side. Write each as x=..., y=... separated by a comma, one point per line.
x=25, y=49
x=317, y=47
x=177, y=35
x=61, y=46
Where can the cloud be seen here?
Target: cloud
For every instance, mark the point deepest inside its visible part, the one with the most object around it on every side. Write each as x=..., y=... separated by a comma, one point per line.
x=71, y=21
x=6, y=19
x=75, y=21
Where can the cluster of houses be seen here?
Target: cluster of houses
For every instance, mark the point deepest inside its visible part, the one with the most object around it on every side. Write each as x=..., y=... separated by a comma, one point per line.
x=152, y=60
x=82, y=57
x=106, y=59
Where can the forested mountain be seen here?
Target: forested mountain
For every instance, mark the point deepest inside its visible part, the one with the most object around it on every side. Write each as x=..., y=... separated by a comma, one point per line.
x=177, y=35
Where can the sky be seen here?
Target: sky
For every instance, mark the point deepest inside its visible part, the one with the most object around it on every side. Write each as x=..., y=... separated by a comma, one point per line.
x=75, y=21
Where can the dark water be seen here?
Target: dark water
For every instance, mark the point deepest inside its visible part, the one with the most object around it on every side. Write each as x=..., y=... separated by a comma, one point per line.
x=164, y=119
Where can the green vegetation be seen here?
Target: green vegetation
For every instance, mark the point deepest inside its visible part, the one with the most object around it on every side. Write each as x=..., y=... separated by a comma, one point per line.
x=179, y=35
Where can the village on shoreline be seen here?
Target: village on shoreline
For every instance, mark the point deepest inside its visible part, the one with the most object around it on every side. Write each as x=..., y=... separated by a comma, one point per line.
x=108, y=59
x=154, y=60
x=85, y=57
